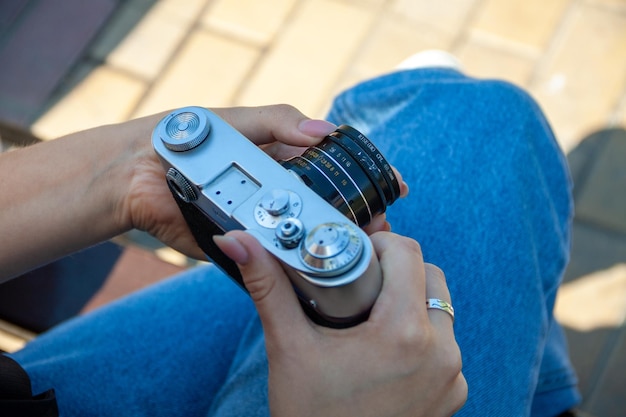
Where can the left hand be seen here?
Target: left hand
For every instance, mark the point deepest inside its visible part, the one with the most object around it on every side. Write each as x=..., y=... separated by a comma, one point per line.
x=280, y=130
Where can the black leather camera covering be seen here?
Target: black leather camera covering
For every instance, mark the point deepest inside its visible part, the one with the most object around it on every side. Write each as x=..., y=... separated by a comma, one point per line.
x=203, y=231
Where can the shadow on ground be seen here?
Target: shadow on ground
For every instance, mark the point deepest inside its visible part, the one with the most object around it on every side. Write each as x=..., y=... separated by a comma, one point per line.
x=598, y=247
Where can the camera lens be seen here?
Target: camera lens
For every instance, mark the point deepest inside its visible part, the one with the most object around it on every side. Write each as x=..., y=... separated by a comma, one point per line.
x=349, y=172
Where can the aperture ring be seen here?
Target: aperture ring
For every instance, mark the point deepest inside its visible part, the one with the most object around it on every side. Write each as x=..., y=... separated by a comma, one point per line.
x=381, y=162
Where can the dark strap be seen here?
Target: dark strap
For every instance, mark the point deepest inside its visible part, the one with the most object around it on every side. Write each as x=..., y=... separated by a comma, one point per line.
x=16, y=397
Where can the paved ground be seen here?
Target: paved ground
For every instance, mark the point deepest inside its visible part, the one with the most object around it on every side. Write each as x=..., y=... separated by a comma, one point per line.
x=570, y=54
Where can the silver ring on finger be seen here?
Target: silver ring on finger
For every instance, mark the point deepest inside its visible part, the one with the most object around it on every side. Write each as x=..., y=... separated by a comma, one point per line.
x=437, y=304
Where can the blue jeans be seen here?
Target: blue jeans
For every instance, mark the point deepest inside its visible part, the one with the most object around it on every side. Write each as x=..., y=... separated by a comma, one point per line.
x=489, y=203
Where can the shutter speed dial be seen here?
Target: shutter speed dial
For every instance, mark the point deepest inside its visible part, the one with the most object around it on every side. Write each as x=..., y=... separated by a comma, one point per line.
x=276, y=202
x=331, y=248
x=277, y=205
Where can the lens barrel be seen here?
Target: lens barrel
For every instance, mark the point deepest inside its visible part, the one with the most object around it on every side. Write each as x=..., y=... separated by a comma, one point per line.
x=349, y=172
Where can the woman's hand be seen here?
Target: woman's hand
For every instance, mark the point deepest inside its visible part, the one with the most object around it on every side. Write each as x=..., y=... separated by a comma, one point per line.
x=280, y=130
x=403, y=361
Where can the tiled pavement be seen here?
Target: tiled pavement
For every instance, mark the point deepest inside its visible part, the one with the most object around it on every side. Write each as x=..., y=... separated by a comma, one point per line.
x=570, y=55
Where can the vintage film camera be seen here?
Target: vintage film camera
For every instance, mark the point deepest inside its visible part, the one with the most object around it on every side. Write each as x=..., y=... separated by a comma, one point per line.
x=305, y=210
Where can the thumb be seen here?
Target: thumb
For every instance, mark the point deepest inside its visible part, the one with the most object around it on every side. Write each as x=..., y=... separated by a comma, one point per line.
x=267, y=283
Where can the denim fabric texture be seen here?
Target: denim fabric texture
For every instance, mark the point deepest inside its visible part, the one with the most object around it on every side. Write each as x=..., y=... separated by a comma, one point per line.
x=489, y=203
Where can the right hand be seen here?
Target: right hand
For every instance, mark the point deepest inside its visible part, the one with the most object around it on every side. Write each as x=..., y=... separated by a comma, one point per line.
x=403, y=361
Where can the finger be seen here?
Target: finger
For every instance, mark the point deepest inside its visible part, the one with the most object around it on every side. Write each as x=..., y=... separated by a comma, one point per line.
x=267, y=283
x=403, y=279
x=404, y=187
x=280, y=122
x=436, y=288
x=458, y=393
x=378, y=224
x=452, y=396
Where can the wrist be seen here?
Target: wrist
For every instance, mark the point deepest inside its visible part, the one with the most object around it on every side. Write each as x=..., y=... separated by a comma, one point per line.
x=78, y=183
x=136, y=162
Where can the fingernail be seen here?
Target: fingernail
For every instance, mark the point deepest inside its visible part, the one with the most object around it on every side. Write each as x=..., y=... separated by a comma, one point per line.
x=316, y=128
x=404, y=189
x=232, y=248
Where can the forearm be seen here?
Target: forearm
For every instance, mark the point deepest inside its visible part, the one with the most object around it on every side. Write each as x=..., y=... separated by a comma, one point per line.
x=61, y=196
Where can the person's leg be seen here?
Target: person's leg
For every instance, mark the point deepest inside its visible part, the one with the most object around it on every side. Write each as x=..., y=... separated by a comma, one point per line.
x=245, y=391
x=162, y=351
x=490, y=204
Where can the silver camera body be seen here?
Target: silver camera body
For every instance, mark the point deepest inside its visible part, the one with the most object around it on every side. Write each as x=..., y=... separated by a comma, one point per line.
x=221, y=181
